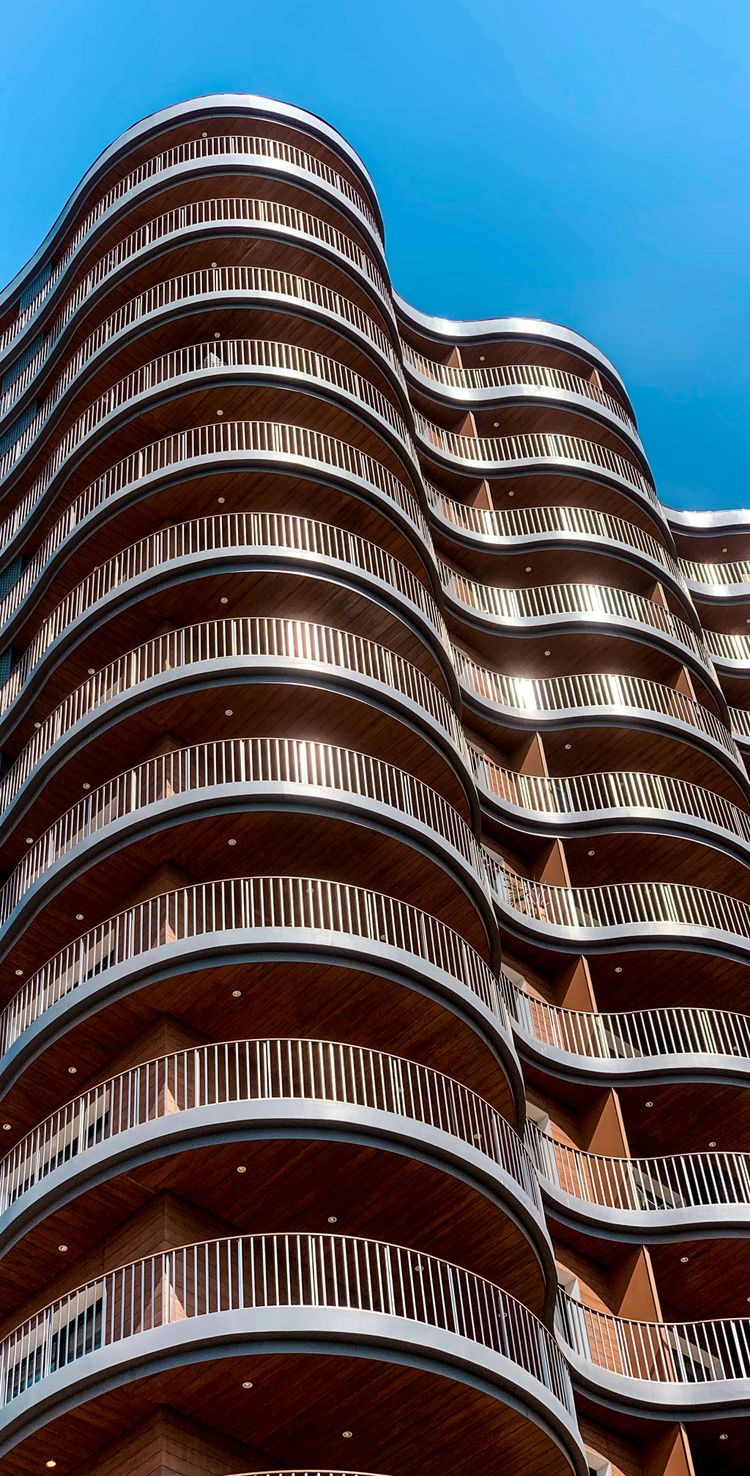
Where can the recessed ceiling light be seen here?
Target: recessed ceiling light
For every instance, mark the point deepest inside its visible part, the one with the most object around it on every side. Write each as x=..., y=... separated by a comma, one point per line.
x=548, y=653
x=229, y=712
x=204, y=135
x=217, y=335
x=29, y=840
x=712, y=1144
x=347, y=1434
x=50, y=1464
x=618, y=968
x=495, y=424
x=19, y=973
x=568, y=747
x=37, y=725
x=86, y=784
x=72, y=1070
x=236, y=994
x=592, y=853
x=221, y=499
x=649, y=1104
x=527, y=569
x=223, y=600
x=7, y=1127
x=241, y=1169
x=723, y=1437
x=684, y=1260
x=214, y=263
x=511, y=493
x=333, y=1219
x=220, y=413
x=62, y=1247
x=79, y=917
x=92, y=670
x=481, y=358
x=725, y=550
x=247, y=1383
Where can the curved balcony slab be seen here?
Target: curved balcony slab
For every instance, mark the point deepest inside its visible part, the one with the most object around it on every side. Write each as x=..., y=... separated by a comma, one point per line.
x=221, y=543
x=192, y=159
x=718, y=583
x=585, y=804
x=256, y=918
x=686, y=1196
x=634, y=1047
x=690, y=1369
x=636, y=914
x=229, y=651
x=237, y=776
x=264, y=1293
x=598, y=699
x=559, y=608
x=254, y=1089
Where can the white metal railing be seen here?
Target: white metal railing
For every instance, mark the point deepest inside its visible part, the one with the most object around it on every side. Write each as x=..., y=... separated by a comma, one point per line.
x=282, y=532
x=243, y=146
x=515, y=376
x=216, y=356
x=739, y=718
x=684, y=1181
x=262, y=1071
x=536, y=446
x=603, y=793
x=725, y=647
x=513, y=525
x=616, y=695
x=629, y=1035
x=322, y=910
x=256, y=1272
x=584, y=601
x=209, y=282
x=222, y=210
x=674, y=1353
x=716, y=576
x=306, y=645
x=295, y=763
x=625, y=904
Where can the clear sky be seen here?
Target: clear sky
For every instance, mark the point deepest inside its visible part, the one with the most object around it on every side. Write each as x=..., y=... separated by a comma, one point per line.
x=585, y=162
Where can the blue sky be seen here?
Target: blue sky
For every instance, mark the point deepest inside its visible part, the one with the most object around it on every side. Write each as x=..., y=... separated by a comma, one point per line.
x=584, y=162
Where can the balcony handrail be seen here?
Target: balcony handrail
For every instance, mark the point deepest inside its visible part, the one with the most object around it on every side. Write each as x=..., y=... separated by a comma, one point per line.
x=716, y=575
x=727, y=647
x=685, y=1353
x=628, y=1035
x=208, y=642
x=259, y=1272
x=600, y=792
x=515, y=376
x=517, y=523
x=204, y=282
x=285, y=532
x=242, y=145
x=624, y=904
x=552, y=446
x=322, y=909
x=682, y=1181
x=615, y=693
x=261, y=1071
x=229, y=210
x=584, y=601
x=213, y=356
x=289, y=443
x=298, y=763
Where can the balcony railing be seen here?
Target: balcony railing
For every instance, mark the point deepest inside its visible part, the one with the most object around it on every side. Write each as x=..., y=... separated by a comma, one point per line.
x=514, y=525
x=241, y=146
x=674, y=1353
x=643, y=1186
x=671, y=905
x=734, y=574
x=258, y=1273
x=261, y=283
x=630, y=1036
x=201, y=360
x=289, y=764
x=585, y=602
x=627, y=792
x=304, y=645
x=559, y=450
x=616, y=695
x=515, y=376
x=220, y=211
x=313, y=1071
x=277, y=532
x=322, y=911
x=732, y=648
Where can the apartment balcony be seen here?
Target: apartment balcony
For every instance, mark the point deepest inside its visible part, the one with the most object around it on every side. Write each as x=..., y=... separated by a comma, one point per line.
x=458, y=1341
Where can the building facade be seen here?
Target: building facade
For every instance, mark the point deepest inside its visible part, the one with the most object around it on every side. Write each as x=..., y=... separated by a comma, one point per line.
x=375, y=824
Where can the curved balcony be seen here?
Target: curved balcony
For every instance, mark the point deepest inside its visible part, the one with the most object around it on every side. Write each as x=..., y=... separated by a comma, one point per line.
x=625, y=800
x=240, y=1293
x=644, y=1198
x=510, y=529
x=257, y=154
x=223, y=650
x=665, y=913
x=207, y=287
x=730, y=581
x=235, y=360
x=538, y=383
x=686, y=1368
x=538, y=452
x=253, y=1089
x=243, y=774
x=630, y=1046
x=214, y=542
x=561, y=607
x=597, y=697
x=237, y=919
x=197, y=220
x=729, y=652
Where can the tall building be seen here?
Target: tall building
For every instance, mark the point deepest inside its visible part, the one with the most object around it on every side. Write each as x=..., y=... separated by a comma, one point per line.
x=375, y=914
